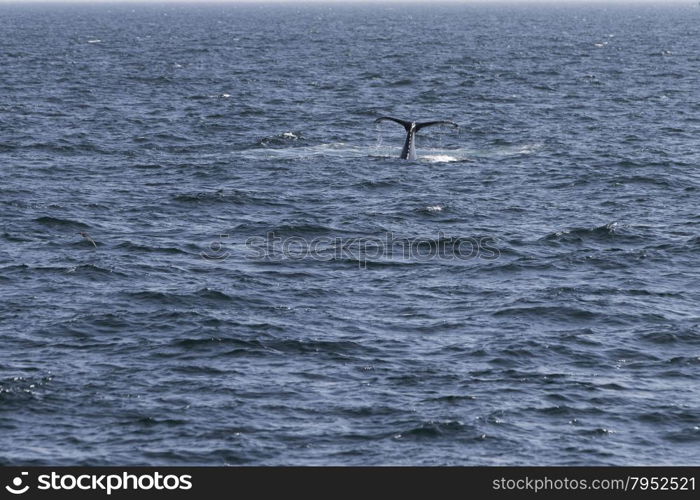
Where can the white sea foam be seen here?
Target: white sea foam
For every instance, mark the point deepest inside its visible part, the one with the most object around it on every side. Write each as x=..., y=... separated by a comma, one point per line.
x=439, y=158
x=336, y=150
x=344, y=150
x=512, y=150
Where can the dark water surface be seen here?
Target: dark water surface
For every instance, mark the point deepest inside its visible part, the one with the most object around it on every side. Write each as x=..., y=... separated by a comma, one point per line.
x=547, y=309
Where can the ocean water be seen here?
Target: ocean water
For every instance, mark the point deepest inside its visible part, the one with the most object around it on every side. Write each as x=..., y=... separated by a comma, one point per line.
x=270, y=285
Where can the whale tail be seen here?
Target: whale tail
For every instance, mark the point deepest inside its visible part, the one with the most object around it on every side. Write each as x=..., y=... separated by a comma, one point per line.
x=409, y=148
x=403, y=123
x=430, y=124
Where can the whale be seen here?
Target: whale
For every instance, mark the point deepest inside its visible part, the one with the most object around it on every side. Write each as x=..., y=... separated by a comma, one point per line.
x=409, y=147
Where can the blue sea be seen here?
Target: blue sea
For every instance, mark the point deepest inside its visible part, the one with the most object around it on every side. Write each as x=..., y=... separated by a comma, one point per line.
x=260, y=280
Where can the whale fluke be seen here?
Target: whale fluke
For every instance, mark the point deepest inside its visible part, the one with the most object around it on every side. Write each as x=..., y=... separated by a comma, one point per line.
x=430, y=124
x=404, y=123
x=409, y=148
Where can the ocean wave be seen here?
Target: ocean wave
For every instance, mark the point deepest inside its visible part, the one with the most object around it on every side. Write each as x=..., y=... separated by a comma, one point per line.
x=131, y=246
x=93, y=270
x=453, y=429
x=202, y=295
x=555, y=312
x=20, y=389
x=611, y=232
x=377, y=183
x=283, y=139
x=58, y=222
x=684, y=436
x=234, y=197
x=291, y=229
x=436, y=209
